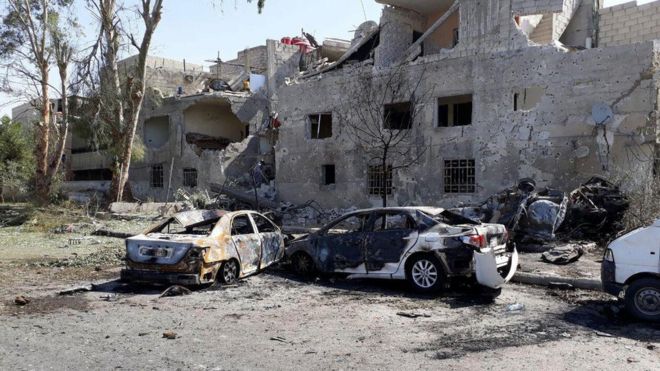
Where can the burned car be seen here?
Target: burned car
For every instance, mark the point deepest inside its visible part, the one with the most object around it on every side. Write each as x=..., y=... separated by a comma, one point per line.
x=197, y=247
x=425, y=246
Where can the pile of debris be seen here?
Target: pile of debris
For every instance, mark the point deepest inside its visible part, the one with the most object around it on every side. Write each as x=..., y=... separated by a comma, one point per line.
x=593, y=211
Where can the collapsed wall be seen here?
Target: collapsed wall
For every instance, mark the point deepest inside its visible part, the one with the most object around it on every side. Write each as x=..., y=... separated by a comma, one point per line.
x=194, y=141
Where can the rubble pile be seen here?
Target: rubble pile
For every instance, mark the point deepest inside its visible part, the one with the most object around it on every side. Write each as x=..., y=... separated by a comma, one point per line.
x=593, y=211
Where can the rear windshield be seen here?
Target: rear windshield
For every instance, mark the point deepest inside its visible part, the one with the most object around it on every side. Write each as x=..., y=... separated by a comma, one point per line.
x=445, y=217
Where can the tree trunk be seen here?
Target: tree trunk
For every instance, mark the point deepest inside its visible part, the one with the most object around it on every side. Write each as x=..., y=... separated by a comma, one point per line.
x=385, y=174
x=135, y=95
x=42, y=184
x=56, y=161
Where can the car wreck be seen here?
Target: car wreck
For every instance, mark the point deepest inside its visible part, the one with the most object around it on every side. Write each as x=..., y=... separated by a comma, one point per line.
x=202, y=246
x=425, y=246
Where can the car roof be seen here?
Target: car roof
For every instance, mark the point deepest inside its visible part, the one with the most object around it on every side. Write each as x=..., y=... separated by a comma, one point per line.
x=426, y=209
x=193, y=218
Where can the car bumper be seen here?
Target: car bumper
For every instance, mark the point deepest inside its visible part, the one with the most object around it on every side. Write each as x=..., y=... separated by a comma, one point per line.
x=487, y=272
x=142, y=276
x=607, y=277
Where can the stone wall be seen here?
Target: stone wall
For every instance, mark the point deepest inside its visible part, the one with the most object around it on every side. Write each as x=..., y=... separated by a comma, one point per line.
x=530, y=7
x=629, y=23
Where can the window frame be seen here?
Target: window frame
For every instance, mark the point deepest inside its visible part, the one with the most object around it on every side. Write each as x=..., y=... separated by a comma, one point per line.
x=152, y=176
x=383, y=181
x=324, y=173
x=316, y=134
x=256, y=217
x=465, y=170
x=449, y=105
x=390, y=108
x=249, y=220
x=188, y=170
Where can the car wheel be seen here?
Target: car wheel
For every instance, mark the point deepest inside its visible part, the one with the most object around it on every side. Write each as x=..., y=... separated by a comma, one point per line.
x=643, y=299
x=303, y=265
x=229, y=271
x=425, y=273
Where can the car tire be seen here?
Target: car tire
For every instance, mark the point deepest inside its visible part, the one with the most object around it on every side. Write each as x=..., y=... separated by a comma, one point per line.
x=425, y=274
x=643, y=299
x=303, y=265
x=229, y=271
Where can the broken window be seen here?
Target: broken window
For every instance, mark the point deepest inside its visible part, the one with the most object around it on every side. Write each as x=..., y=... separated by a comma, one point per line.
x=379, y=182
x=459, y=176
x=350, y=224
x=328, y=174
x=397, y=116
x=263, y=225
x=455, y=111
x=156, y=131
x=190, y=178
x=527, y=98
x=321, y=125
x=393, y=221
x=241, y=225
x=157, y=176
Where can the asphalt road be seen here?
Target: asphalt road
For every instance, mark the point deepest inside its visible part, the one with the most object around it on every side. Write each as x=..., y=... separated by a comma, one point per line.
x=274, y=321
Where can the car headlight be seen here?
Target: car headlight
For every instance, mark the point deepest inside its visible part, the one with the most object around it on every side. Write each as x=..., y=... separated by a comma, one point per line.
x=609, y=256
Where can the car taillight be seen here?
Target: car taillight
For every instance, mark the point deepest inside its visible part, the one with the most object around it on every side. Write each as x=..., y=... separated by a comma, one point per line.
x=476, y=240
x=505, y=236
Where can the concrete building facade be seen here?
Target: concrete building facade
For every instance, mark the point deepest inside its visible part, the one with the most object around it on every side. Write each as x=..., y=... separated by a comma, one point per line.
x=530, y=103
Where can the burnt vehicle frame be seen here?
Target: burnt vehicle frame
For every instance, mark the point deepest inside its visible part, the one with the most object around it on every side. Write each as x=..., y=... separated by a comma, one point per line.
x=428, y=247
x=201, y=246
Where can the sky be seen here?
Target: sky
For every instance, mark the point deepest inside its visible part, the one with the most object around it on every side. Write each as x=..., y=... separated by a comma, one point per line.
x=198, y=30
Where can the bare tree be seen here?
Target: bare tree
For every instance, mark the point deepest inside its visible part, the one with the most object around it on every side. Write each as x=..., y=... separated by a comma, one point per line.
x=28, y=43
x=118, y=97
x=381, y=112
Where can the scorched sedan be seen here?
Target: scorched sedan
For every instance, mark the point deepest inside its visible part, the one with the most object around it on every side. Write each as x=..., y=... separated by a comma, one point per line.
x=426, y=246
x=200, y=246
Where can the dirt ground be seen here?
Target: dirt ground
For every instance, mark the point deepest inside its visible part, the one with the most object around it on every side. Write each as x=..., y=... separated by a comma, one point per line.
x=276, y=321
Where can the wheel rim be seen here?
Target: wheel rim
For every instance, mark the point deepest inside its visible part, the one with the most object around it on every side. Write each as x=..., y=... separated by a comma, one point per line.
x=230, y=271
x=647, y=301
x=424, y=273
x=303, y=264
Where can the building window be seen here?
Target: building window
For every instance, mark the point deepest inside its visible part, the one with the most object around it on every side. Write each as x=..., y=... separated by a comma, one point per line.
x=397, y=116
x=455, y=111
x=157, y=176
x=379, y=182
x=459, y=176
x=190, y=178
x=328, y=174
x=321, y=125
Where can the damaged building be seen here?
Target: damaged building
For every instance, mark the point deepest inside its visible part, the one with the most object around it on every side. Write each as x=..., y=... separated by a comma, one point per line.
x=553, y=90
x=493, y=92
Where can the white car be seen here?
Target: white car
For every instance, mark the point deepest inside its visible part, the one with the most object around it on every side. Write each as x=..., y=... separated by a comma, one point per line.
x=426, y=246
x=631, y=269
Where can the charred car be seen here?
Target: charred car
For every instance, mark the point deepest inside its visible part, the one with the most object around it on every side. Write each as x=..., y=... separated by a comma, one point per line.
x=425, y=246
x=202, y=246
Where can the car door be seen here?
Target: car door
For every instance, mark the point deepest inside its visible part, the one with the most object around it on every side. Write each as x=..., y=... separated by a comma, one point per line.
x=247, y=242
x=272, y=244
x=390, y=234
x=340, y=246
